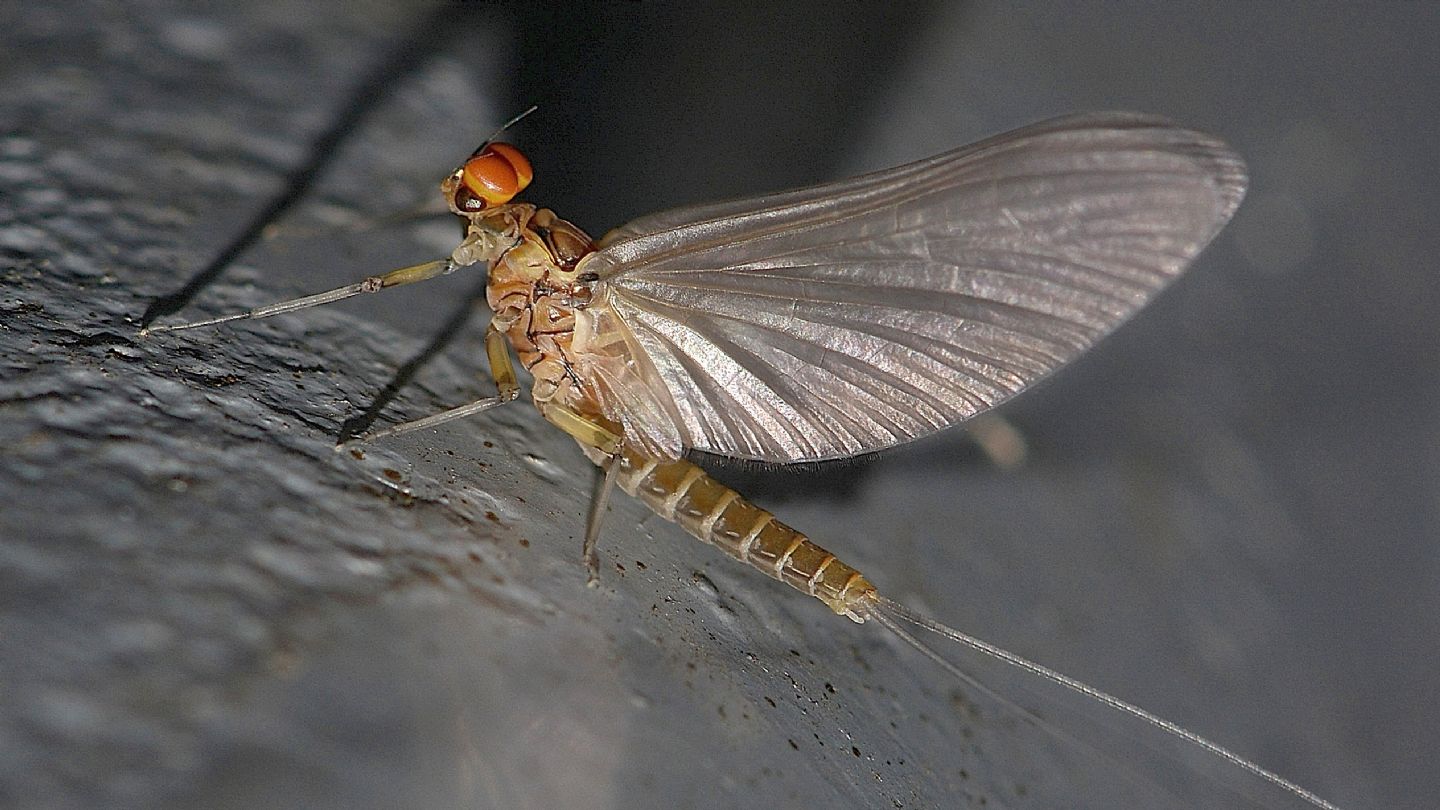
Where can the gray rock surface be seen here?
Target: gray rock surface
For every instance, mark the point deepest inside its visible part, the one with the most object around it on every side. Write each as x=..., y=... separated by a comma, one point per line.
x=1226, y=514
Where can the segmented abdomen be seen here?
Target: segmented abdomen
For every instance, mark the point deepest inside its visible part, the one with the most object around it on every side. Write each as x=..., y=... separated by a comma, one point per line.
x=682, y=492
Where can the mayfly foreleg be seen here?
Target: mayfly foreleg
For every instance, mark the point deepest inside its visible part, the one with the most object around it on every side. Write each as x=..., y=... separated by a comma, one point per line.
x=405, y=275
x=502, y=371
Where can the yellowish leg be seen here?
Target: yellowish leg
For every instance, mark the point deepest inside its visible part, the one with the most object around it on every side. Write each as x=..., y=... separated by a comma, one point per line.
x=395, y=278
x=591, y=434
x=592, y=521
x=502, y=370
x=585, y=430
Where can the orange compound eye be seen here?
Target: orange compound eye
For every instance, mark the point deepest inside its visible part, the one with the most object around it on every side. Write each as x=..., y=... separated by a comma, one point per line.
x=491, y=178
x=497, y=174
x=517, y=160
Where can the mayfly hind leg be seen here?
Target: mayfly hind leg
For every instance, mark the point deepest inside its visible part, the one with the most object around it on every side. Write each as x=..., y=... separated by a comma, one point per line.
x=606, y=444
x=502, y=371
x=593, y=518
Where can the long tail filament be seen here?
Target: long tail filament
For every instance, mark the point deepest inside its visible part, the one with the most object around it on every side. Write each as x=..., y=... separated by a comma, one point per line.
x=895, y=618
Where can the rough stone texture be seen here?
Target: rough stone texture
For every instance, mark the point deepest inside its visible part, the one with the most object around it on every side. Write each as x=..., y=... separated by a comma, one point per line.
x=1226, y=514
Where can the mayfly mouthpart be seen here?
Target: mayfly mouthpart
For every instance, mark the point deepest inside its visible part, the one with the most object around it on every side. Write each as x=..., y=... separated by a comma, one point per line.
x=827, y=322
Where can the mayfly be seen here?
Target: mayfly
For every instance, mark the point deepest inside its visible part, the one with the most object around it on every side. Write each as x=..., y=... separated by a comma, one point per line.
x=828, y=322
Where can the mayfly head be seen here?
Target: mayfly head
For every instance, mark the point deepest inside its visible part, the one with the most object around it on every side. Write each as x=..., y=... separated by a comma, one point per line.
x=489, y=178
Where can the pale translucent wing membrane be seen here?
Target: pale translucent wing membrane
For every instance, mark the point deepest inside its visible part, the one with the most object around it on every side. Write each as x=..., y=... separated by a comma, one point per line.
x=614, y=360
x=850, y=317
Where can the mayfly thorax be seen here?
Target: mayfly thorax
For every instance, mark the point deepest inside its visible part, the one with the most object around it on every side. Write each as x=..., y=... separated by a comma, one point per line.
x=828, y=322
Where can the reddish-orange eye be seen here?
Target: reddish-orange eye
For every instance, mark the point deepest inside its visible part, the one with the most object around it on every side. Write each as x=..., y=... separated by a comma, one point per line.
x=497, y=174
x=491, y=178
x=517, y=160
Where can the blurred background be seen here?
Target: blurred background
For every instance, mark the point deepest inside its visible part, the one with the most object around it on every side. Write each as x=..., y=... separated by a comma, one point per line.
x=1225, y=514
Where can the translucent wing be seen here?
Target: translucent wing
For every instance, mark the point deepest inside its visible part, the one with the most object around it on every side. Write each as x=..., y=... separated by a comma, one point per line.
x=845, y=318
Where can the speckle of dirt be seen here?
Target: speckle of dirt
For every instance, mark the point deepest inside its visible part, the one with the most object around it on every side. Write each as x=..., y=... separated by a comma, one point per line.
x=357, y=453
x=492, y=517
x=393, y=475
x=524, y=543
x=489, y=445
